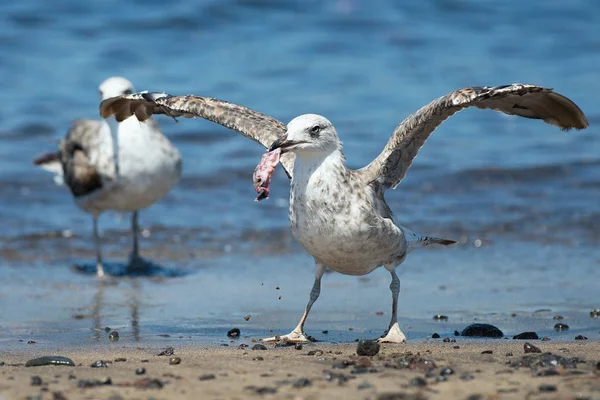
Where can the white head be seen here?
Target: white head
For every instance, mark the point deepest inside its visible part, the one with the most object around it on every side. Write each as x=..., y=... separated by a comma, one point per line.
x=309, y=133
x=115, y=86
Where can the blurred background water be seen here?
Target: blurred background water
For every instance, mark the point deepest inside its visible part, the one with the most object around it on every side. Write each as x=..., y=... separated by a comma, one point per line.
x=520, y=196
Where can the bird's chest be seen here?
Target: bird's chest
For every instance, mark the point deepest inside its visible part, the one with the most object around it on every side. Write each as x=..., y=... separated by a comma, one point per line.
x=326, y=215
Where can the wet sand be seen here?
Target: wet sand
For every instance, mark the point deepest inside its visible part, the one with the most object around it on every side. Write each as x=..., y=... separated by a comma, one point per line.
x=318, y=370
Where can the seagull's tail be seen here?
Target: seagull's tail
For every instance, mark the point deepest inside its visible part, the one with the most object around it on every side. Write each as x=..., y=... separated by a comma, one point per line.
x=415, y=240
x=51, y=162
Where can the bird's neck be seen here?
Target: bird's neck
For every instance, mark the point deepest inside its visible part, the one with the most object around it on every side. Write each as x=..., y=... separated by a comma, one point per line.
x=309, y=165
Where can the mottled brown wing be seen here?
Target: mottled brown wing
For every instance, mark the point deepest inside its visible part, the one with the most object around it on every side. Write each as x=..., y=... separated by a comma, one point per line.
x=390, y=167
x=78, y=150
x=252, y=124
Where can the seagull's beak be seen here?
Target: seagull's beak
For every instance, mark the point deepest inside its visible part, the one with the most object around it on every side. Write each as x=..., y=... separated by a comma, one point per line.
x=284, y=144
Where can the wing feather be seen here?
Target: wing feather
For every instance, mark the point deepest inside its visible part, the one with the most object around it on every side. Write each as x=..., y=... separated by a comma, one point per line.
x=256, y=126
x=529, y=101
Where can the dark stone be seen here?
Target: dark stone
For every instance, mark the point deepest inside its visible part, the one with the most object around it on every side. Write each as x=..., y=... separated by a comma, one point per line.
x=549, y=372
x=325, y=332
x=113, y=336
x=261, y=390
x=36, y=381
x=547, y=388
x=558, y=317
x=545, y=360
x=476, y=396
x=99, y=364
x=302, y=382
x=401, y=396
x=482, y=330
x=580, y=337
x=88, y=383
x=448, y=340
x=487, y=352
x=207, y=377
x=545, y=339
x=169, y=351
x=418, y=382
x=174, y=361
x=446, y=371
x=50, y=360
x=31, y=342
x=2, y=363
x=509, y=354
x=315, y=353
x=120, y=359
x=259, y=358
x=435, y=336
x=234, y=333
x=367, y=347
x=561, y=327
x=441, y=378
x=440, y=317
x=298, y=346
x=527, y=336
x=259, y=346
x=456, y=333
x=529, y=348
x=414, y=362
x=467, y=377
x=140, y=371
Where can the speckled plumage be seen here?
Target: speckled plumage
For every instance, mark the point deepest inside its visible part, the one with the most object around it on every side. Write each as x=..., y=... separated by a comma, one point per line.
x=339, y=215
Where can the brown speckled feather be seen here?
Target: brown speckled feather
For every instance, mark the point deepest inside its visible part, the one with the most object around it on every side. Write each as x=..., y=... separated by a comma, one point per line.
x=79, y=174
x=252, y=124
x=528, y=101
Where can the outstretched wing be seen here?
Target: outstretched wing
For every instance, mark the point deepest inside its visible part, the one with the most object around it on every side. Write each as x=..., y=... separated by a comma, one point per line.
x=389, y=168
x=252, y=124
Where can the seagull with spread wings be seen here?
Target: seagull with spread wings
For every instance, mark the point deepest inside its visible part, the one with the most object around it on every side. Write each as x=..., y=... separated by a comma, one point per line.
x=126, y=172
x=340, y=215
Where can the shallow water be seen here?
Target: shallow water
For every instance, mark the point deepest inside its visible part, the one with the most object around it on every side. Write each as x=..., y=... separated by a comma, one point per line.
x=526, y=191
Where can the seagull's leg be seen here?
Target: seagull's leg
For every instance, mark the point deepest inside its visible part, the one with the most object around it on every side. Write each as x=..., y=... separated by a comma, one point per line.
x=298, y=335
x=135, y=261
x=394, y=334
x=98, y=246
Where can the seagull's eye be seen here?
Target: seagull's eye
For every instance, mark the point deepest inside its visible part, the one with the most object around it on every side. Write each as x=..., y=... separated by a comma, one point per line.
x=314, y=131
x=128, y=91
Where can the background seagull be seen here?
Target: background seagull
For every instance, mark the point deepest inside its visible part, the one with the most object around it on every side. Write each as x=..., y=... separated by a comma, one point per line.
x=127, y=174
x=339, y=215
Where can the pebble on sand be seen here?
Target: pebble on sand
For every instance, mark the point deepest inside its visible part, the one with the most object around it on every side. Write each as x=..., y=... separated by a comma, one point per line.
x=207, y=377
x=140, y=371
x=50, y=360
x=435, y=336
x=36, y=381
x=113, y=336
x=526, y=336
x=259, y=346
x=174, y=361
x=99, y=364
x=169, y=351
x=367, y=347
x=580, y=337
x=482, y=330
x=529, y=348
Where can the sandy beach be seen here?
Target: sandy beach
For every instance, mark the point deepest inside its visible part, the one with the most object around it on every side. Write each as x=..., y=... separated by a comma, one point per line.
x=465, y=369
